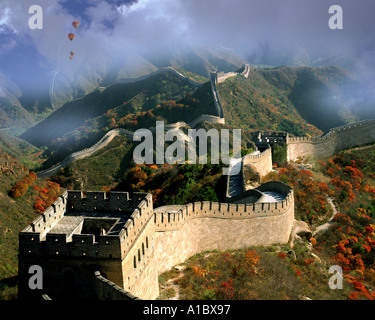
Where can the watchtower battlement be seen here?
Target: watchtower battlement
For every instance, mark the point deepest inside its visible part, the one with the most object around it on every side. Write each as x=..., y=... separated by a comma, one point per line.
x=110, y=201
x=81, y=232
x=130, y=243
x=265, y=138
x=95, y=225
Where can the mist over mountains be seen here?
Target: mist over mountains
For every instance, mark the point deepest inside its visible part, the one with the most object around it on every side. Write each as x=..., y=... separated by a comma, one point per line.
x=129, y=39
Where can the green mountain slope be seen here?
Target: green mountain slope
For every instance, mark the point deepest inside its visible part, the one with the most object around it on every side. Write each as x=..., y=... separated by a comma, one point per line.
x=116, y=170
x=12, y=113
x=110, y=163
x=26, y=90
x=161, y=87
x=299, y=100
x=302, y=101
x=256, y=104
x=321, y=95
x=20, y=190
x=25, y=152
x=164, y=97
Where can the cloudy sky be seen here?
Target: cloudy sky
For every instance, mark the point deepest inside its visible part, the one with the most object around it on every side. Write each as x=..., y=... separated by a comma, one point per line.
x=115, y=27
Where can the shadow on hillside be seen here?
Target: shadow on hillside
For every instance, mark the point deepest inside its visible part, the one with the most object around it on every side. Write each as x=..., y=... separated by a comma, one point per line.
x=9, y=288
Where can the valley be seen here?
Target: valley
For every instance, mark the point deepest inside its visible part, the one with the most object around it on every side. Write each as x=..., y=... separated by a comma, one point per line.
x=87, y=145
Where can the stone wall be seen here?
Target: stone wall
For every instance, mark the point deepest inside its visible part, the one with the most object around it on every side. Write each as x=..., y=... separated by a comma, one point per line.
x=206, y=118
x=215, y=96
x=205, y=225
x=265, y=138
x=78, y=254
x=110, y=135
x=340, y=138
x=175, y=246
x=150, y=242
x=221, y=76
x=246, y=70
x=138, y=265
x=107, y=290
x=258, y=165
x=48, y=219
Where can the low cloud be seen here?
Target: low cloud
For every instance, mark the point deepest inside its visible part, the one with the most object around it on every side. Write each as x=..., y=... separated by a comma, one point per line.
x=116, y=28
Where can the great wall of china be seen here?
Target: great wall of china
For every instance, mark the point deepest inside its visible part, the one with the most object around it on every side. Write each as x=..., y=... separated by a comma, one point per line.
x=114, y=241
x=340, y=138
x=107, y=138
x=114, y=245
x=336, y=139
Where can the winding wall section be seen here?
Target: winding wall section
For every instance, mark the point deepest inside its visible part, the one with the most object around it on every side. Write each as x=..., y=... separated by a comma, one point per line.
x=108, y=137
x=340, y=138
x=202, y=226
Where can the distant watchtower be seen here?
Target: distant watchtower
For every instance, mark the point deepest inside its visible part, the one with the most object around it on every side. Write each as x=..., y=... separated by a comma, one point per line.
x=264, y=138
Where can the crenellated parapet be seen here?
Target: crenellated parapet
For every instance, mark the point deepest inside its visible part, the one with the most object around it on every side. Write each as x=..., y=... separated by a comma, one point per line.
x=256, y=156
x=222, y=76
x=339, y=138
x=266, y=138
x=74, y=225
x=112, y=201
x=169, y=218
x=48, y=219
x=182, y=231
x=126, y=239
x=256, y=165
x=78, y=246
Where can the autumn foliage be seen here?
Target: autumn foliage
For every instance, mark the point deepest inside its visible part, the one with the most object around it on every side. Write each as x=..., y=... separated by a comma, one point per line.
x=47, y=195
x=309, y=209
x=21, y=186
x=43, y=194
x=350, y=241
x=353, y=241
x=174, y=184
x=224, y=277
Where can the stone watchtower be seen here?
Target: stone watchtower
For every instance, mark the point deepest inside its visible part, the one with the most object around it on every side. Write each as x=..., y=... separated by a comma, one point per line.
x=81, y=240
x=113, y=245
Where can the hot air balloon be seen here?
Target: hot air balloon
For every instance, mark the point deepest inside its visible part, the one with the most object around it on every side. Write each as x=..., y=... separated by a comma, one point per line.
x=72, y=53
x=71, y=57
x=75, y=24
x=71, y=36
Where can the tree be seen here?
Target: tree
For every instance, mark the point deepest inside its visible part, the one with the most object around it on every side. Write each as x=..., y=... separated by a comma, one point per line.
x=279, y=154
